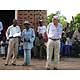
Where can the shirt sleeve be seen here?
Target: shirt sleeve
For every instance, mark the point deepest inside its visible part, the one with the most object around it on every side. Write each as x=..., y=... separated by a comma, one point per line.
x=22, y=35
x=60, y=31
x=48, y=27
x=33, y=36
x=45, y=28
x=1, y=26
x=19, y=31
x=38, y=29
x=7, y=33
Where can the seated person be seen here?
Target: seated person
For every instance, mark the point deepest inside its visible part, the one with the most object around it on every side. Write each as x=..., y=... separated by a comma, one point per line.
x=68, y=46
x=62, y=48
x=76, y=42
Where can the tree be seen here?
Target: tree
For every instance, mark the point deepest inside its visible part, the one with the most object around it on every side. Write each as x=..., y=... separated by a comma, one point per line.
x=75, y=22
x=62, y=19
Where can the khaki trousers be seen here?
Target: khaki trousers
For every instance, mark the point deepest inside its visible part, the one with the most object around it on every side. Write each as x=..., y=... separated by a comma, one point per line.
x=50, y=46
x=12, y=50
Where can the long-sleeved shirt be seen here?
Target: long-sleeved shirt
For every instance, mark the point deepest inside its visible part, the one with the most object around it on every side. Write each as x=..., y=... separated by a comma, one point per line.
x=53, y=31
x=28, y=37
x=1, y=27
x=13, y=31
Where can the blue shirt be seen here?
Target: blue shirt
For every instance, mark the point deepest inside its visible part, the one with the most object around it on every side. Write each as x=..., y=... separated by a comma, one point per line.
x=28, y=37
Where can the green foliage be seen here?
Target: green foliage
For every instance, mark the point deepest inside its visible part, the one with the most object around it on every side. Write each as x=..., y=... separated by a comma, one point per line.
x=62, y=19
x=75, y=22
x=49, y=18
x=77, y=18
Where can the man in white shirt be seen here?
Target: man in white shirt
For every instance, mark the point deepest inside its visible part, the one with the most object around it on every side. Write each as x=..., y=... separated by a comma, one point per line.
x=54, y=32
x=13, y=33
x=41, y=28
x=39, y=38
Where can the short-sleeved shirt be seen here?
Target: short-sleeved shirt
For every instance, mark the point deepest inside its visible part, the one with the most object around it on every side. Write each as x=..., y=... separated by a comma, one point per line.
x=41, y=29
x=13, y=31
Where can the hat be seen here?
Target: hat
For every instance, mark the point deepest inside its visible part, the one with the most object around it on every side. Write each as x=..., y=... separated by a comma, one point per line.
x=55, y=17
x=26, y=22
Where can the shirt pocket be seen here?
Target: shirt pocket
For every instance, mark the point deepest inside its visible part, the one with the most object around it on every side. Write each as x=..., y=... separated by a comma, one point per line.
x=53, y=30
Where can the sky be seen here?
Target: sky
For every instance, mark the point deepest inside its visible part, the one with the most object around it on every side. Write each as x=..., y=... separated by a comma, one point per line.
x=67, y=8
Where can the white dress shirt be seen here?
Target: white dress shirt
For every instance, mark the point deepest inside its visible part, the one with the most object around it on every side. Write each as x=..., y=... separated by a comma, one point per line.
x=41, y=30
x=13, y=31
x=1, y=27
x=53, y=31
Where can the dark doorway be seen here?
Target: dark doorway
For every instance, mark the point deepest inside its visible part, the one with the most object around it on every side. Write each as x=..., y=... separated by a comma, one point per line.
x=7, y=16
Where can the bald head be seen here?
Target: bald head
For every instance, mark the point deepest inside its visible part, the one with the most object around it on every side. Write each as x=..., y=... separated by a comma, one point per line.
x=15, y=22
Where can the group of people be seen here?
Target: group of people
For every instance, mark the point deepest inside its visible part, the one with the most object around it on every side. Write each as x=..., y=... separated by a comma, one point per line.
x=14, y=35
x=70, y=43
x=49, y=37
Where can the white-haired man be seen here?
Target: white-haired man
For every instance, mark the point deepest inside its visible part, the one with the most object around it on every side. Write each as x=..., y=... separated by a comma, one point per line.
x=54, y=31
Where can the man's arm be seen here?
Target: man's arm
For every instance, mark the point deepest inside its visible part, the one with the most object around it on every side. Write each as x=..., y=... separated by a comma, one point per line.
x=33, y=36
x=1, y=26
x=7, y=34
x=60, y=31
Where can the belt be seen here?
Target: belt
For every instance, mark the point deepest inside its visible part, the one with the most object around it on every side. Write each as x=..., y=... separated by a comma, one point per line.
x=13, y=37
x=54, y=39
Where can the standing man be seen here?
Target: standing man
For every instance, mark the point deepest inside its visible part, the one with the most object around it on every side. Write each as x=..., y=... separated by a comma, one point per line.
x=28, y=37
x=13, y=33
x=1, y=28
x=54, y=31
x=41, y=35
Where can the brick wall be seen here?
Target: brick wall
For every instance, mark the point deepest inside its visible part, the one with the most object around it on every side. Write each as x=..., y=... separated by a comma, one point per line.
x=32, y=15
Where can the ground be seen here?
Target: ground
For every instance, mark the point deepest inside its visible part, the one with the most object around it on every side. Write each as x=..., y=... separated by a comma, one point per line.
x=38, y=64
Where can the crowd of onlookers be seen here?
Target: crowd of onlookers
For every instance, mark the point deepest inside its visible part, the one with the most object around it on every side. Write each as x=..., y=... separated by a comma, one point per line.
x=70, y=43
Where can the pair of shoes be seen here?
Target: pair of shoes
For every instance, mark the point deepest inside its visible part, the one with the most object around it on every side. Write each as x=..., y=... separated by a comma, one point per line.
x=5, y=64
x=4, y=58
x=24, y=64
x=55, y=68
x=48, y=68
x=13, y=64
